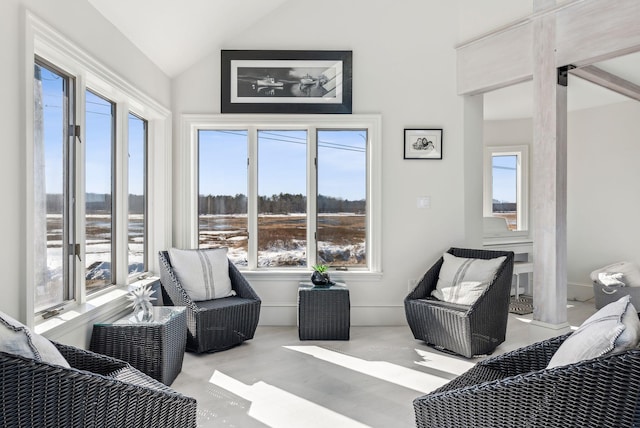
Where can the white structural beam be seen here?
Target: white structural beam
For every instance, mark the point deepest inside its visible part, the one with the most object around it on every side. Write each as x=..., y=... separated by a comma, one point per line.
x=610, y=81
x=549, y=179
x=591, y=31
x=586, y=32
x=557, y=34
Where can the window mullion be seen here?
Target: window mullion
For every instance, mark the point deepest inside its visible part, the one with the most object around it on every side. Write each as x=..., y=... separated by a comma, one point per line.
x=80, y=193
x=252, y=198
x=312, y=189
x=120, y=198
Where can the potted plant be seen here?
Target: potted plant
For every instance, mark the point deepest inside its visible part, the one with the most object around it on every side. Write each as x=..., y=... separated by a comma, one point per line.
x=320, y=275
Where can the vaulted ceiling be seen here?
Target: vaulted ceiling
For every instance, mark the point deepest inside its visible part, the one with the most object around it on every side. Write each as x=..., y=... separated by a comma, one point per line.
x=177, y=34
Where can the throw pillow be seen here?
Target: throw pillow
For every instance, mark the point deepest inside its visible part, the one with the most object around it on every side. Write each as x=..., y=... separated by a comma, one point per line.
x=204, y=274
x=463, y=280
x=614, y=328
x=18, y=339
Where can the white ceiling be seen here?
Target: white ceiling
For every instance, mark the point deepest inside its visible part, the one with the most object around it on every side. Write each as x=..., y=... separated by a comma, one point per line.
x=177, y=34
x=515, y=102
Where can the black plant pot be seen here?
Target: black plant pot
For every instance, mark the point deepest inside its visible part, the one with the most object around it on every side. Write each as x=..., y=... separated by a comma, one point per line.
x=320, y=279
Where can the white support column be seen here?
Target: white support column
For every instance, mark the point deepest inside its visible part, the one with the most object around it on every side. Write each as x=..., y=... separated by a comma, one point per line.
x=549, y=178
x=473, y=181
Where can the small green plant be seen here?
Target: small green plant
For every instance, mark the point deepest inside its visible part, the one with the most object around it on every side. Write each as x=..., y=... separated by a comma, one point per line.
x=321, y=268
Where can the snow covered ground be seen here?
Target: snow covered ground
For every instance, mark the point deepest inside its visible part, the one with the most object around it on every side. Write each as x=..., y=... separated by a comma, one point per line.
x=215, y=230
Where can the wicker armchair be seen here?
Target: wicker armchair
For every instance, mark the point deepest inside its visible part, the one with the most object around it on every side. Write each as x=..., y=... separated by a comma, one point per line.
x=213, y=325
x=516, y=390
x=465, y=330
x=97, y=391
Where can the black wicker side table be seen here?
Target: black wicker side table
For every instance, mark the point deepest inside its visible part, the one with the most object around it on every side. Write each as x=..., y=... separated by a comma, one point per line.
x=323, y=312
x=155, y=347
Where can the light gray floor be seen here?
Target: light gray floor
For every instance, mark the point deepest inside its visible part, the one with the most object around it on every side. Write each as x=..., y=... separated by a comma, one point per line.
x=277, y=381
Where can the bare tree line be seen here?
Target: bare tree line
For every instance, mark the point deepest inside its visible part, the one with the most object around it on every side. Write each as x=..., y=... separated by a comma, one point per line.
x=96, y=203
x=282, y=203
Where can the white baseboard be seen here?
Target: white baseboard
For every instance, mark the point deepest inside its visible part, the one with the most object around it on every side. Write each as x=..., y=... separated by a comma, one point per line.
x=579, y=292
x=287, y=315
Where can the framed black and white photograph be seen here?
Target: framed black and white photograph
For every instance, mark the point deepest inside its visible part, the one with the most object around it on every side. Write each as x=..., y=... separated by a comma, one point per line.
x=261, y=81
x=423, y=143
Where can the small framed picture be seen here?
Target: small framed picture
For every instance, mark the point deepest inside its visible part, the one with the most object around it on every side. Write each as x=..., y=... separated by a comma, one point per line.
x=423, y=143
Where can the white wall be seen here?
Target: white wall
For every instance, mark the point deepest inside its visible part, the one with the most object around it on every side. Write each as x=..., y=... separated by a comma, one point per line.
x=603, y=200
x=603, y=196
x=508, y=132
x=404, y=65
x=82, y=24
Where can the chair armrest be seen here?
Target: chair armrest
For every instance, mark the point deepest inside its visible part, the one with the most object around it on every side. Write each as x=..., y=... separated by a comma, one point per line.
x=171, y=284
x=39, y=394
x=240, y=284
x=428, y=282
x=592, y=393
x=89, y=361
x=527, y=359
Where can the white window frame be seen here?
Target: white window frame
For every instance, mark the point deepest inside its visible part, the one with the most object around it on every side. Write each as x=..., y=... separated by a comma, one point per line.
x=522, y=183
x=45, y=42
x=191, y=124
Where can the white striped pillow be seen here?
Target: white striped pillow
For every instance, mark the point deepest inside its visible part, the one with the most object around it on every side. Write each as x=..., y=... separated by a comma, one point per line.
x=463, y=280
x=204, y=274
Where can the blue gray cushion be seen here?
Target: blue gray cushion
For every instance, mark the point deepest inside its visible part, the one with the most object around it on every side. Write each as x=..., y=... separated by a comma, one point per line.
x=18, y=339
x=614, y=328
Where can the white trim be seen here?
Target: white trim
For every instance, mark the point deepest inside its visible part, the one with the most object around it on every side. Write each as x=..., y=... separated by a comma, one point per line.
x=522, y=178
x=252, y=203
x=101, y=305
x=65, y=54
x=190, y=123
x=121, y=211
x=312, y=188
x=47, y=43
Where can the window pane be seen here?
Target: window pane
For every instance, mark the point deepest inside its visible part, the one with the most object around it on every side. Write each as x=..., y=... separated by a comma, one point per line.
x=505, y=188
x=137, y=225
x=282, y=200
x=342, y=189
x=99, y=139
x=51, y=228
x=222, y=201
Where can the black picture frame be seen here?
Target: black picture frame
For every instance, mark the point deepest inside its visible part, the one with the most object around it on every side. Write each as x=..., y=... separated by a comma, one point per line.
x=286, y=81
x=423, y=143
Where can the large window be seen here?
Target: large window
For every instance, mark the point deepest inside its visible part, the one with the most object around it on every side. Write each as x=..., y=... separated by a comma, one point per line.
x=96, y=182
x=58, y=216
x=506, y=185
x=53, y=155
x=288, y=196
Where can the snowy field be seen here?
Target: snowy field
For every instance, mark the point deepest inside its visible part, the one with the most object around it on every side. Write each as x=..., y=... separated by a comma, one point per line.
x=281, y=243
x=282, y=238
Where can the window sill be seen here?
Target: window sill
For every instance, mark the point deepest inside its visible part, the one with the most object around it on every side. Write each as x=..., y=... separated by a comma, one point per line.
x=103, y=305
